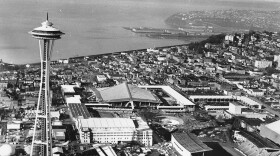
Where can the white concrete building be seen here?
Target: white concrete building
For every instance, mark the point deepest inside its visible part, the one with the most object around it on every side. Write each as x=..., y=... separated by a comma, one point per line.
x=249, y=101
x=74, y=99
x=255, y=92
x=213, y=98
x=101, y=78
x=13, y=126
x=215, y=108
x=114, y=130
x=262, y=63
x=68, y=89
x=235, y=108
x=239, y=109
x=229, y=37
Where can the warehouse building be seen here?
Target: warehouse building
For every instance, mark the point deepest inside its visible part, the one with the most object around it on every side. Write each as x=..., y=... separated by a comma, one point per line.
x=187, y=144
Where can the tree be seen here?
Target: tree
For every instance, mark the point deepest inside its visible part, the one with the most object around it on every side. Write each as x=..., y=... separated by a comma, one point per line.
x=251, y=32
x=270, y=70
x=274, y=64
x=10, y=85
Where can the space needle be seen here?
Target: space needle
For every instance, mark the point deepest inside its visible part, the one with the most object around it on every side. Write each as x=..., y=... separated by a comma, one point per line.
x=42, y=133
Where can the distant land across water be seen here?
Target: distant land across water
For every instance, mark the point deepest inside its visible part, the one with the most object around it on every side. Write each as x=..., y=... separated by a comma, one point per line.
x=95, y=26
x=226, y=20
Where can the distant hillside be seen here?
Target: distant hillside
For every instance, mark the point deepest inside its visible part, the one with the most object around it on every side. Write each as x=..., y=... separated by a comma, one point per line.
x=227, y=20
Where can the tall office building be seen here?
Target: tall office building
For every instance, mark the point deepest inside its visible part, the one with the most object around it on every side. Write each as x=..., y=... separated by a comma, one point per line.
x=42, y=134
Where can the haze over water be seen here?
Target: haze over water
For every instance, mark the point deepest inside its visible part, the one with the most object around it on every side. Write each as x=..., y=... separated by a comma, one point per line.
x=94, y=26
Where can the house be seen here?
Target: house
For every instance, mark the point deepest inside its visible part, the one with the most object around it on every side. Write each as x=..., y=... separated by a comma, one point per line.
x=256, y=92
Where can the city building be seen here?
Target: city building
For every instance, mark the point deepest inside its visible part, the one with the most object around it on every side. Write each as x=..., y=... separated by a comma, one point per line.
x=180, y=100
x=114, y=130
x=187, y=144
x=13, y=126
x=68, y=90
x=211, y=98
x=250, y=102
x=255, y=92
x=77, y=109
x=215, y=107
x=101, y=78
x=262, y=63
x=236, y=108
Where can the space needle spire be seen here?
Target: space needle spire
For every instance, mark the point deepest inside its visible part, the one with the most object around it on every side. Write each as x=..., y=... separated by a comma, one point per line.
x=42, y=133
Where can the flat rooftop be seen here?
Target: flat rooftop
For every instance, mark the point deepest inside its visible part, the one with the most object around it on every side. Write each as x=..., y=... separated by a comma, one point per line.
x=73, y=99
x=68, y=88
x=99, y=123
x=210, y=97
x=78, y=110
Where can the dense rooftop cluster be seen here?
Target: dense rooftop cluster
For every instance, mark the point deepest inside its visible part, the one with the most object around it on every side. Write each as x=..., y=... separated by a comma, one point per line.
x=230, y=78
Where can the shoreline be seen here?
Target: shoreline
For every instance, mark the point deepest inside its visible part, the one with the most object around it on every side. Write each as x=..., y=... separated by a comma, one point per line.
x=188, y=40
x=106, y=54
x=96, y=55
x=110, y=53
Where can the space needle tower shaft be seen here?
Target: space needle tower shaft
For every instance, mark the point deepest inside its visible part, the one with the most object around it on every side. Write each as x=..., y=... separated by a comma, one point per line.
x=42, y=133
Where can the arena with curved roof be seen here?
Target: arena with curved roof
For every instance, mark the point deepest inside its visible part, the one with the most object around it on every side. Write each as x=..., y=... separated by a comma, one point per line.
x=127, y=95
